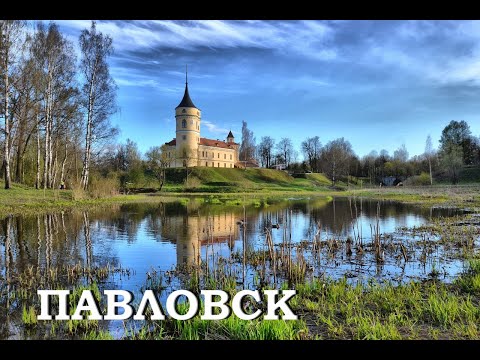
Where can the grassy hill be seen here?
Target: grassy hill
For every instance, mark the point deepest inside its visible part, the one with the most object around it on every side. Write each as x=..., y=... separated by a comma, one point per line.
x=240, y=180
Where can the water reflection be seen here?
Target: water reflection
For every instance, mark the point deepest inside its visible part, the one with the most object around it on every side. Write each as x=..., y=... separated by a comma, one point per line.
x=142, y=236
x=161, y=236
x=191, y=232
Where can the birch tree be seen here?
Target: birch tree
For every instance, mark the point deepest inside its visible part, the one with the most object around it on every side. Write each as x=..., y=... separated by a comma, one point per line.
x=55, y=62
x=98, y=91
x=10, y=37
x=429, y=155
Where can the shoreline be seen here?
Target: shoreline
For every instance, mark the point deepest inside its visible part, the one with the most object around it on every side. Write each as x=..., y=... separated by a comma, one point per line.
x=31, y=201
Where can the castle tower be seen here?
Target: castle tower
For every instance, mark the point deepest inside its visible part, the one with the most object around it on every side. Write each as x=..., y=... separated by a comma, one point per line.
x=187, y=117
x=230, y=138
x=231, y=141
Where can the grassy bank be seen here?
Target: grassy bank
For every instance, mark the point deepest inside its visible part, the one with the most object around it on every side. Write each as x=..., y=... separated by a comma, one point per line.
x=461, y=196
x=236, y=186
x=218, y=180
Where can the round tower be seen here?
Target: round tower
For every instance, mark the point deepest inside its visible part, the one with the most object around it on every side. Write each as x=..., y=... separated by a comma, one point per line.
x=188, y=118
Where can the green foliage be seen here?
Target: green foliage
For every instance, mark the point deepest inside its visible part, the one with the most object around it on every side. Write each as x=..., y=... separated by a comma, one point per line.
x=29, y=316
x=419, y=180
x=457, y=134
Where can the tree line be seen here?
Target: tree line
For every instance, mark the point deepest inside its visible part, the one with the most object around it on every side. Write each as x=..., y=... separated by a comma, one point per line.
x=55, y=107
x=336, y=159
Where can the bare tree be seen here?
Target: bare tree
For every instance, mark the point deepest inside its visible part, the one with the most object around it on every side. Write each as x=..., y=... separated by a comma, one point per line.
x=265, y=150
x=311, y=148
x=10, y=37
x=157, y=161
x=285, y=150
x=247, y=148
x=99, y=90
x=26, y=106
x=55, y=64
x=186, y=155
x=401, y=154
x=336, y=156
x=428, y=155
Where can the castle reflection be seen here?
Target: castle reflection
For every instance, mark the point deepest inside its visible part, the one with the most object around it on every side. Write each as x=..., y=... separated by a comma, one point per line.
x=191, y=232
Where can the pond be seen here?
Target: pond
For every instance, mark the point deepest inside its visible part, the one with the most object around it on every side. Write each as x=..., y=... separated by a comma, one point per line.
x=135, y=243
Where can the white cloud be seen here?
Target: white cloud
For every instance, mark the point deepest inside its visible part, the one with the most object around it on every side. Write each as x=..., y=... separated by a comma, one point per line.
x=430, y=50
x=213, y=128
x=305, y=37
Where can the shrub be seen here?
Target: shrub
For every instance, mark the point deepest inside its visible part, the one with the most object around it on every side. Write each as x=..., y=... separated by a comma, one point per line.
x=192, y=183
x=419, y=180
x=102, y=187
x=77, y=191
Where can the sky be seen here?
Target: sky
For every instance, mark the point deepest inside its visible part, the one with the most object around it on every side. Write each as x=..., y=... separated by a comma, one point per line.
x=379, y=84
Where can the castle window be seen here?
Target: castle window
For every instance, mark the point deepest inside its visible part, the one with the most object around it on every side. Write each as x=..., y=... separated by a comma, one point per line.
x=184, y=123
x=206, y=163
x=230, y=156
x=224, y=164
x=218, y=165
x=184, y=137
x=184, y=111
x=203, y=153
x=224, y=156
x=218, y=155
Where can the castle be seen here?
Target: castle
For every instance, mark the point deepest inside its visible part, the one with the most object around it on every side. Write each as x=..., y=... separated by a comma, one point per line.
x=188, y=149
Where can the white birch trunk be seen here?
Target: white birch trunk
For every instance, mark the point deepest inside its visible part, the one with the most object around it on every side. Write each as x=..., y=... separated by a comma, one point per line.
x=88, y=136
x=6, y=156
x=37, y=178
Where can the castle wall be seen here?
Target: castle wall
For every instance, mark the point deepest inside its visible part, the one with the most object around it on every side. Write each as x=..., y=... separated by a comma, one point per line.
x=211, y=156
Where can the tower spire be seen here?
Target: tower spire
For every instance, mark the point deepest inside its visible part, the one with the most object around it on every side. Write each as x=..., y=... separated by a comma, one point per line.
x=186, y=101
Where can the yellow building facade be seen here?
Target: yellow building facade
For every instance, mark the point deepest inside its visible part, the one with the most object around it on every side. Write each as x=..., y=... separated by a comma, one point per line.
x=191, y=232
x=188, y=148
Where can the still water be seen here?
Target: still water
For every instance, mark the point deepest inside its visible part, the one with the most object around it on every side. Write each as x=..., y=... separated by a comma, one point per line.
x=146, y=238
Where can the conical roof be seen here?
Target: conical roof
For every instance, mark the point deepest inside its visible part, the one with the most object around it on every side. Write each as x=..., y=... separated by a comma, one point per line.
x=186, y=101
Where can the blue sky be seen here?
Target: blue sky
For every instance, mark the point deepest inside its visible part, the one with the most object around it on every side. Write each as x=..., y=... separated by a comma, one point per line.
x=379, y=84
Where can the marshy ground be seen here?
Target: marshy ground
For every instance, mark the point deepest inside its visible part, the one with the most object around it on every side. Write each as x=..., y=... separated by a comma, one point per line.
x=367, y=273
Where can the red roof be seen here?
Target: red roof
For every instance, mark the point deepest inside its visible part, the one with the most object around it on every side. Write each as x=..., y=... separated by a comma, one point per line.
x=208, y=142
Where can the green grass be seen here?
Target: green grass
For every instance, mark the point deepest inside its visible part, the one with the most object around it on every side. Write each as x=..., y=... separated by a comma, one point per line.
x=336, y=309
x=220, y=180
x=462, y=196
x=231, y=187
x=408, y=311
